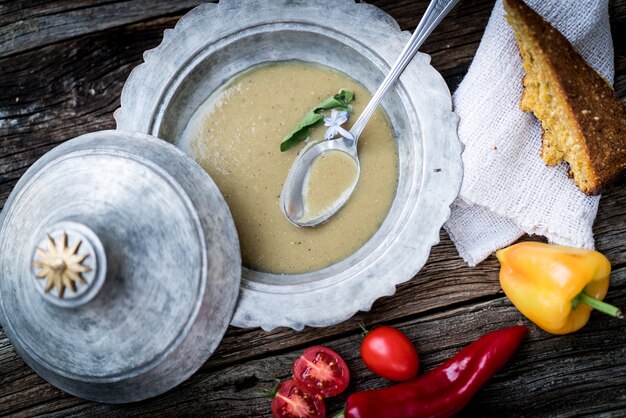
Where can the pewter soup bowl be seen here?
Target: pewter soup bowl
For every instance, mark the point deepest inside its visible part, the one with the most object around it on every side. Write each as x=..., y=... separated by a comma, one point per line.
x=213, y=43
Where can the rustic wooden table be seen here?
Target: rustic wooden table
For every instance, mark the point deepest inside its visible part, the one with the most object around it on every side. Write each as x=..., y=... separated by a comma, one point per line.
x=62, y=67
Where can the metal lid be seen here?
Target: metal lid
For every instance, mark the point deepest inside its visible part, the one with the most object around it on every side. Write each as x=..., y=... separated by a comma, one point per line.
x=119, y=266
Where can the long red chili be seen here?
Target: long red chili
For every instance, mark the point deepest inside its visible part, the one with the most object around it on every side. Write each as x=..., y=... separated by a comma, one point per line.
x=446, y=390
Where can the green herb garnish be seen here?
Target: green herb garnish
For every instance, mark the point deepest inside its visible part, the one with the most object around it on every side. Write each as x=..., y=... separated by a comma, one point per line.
x=314, y=118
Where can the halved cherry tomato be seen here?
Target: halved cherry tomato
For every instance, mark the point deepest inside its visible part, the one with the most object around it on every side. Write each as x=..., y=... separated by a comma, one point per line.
x=322, y=371
x=389, y=353
x=294, y=401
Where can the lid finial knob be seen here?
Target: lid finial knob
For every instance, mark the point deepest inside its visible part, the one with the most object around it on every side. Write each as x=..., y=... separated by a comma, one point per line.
x=60, y=265
x=69, y=264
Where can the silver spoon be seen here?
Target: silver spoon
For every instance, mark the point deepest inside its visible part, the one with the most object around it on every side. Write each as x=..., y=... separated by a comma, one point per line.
x=291, y=199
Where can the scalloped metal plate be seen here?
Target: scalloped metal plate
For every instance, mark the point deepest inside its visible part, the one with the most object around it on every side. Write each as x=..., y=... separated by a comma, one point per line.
x=213, y=42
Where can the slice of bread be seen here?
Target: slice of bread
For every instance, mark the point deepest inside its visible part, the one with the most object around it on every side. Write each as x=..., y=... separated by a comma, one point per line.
x=583, y=119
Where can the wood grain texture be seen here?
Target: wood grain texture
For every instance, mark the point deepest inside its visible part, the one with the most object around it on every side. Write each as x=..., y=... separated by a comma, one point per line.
x=63, y=77
x=536, y=372
x=46, y=22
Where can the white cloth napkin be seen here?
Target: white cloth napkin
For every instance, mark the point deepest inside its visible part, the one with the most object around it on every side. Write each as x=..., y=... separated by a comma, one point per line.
x=507, y=188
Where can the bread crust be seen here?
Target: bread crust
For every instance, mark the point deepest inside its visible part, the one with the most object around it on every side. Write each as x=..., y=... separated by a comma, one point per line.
x=596, y=116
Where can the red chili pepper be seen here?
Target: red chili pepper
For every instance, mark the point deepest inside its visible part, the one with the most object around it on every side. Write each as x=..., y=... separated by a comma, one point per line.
x=446, y=390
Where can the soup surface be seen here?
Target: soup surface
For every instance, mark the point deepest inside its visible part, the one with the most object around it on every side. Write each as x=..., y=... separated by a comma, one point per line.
x=331, y=176
x=236, y=134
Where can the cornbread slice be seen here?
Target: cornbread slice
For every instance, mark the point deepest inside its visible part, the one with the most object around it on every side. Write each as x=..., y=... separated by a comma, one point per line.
x=583, y=119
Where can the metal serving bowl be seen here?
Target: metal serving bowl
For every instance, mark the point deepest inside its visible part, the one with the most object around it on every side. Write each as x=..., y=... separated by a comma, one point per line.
x=214, y=42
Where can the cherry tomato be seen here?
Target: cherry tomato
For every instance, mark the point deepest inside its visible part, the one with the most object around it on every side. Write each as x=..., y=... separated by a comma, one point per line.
x=294, y=401
x=321, y=371
x=390, y=354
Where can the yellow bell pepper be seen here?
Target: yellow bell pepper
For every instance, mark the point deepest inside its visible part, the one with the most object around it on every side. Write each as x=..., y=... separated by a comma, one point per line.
x=555, y=287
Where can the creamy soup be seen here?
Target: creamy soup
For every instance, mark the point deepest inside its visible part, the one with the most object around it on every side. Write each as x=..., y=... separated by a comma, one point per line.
x=331, y=176
x=236, y=134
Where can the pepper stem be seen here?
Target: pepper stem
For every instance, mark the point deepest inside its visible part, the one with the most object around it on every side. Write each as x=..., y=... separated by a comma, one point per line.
x=584, y=297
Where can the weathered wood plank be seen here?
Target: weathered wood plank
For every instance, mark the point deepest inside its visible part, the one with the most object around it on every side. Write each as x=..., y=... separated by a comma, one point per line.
x=587, y=386
x=43, y=23
x=19, y=384
x=64, y=90
x=67, y=88
x=610, y=227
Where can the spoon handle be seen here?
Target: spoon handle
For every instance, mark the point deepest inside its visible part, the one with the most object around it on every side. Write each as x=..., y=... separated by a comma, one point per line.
x=437, y=10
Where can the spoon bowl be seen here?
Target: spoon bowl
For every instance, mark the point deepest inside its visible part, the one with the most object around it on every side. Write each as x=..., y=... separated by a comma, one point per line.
x=292, y=199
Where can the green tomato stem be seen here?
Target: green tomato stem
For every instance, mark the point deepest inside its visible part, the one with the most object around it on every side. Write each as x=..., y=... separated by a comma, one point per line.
x=584, y=297
x=364, y=330
x=340, y=414
x=270, y=393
